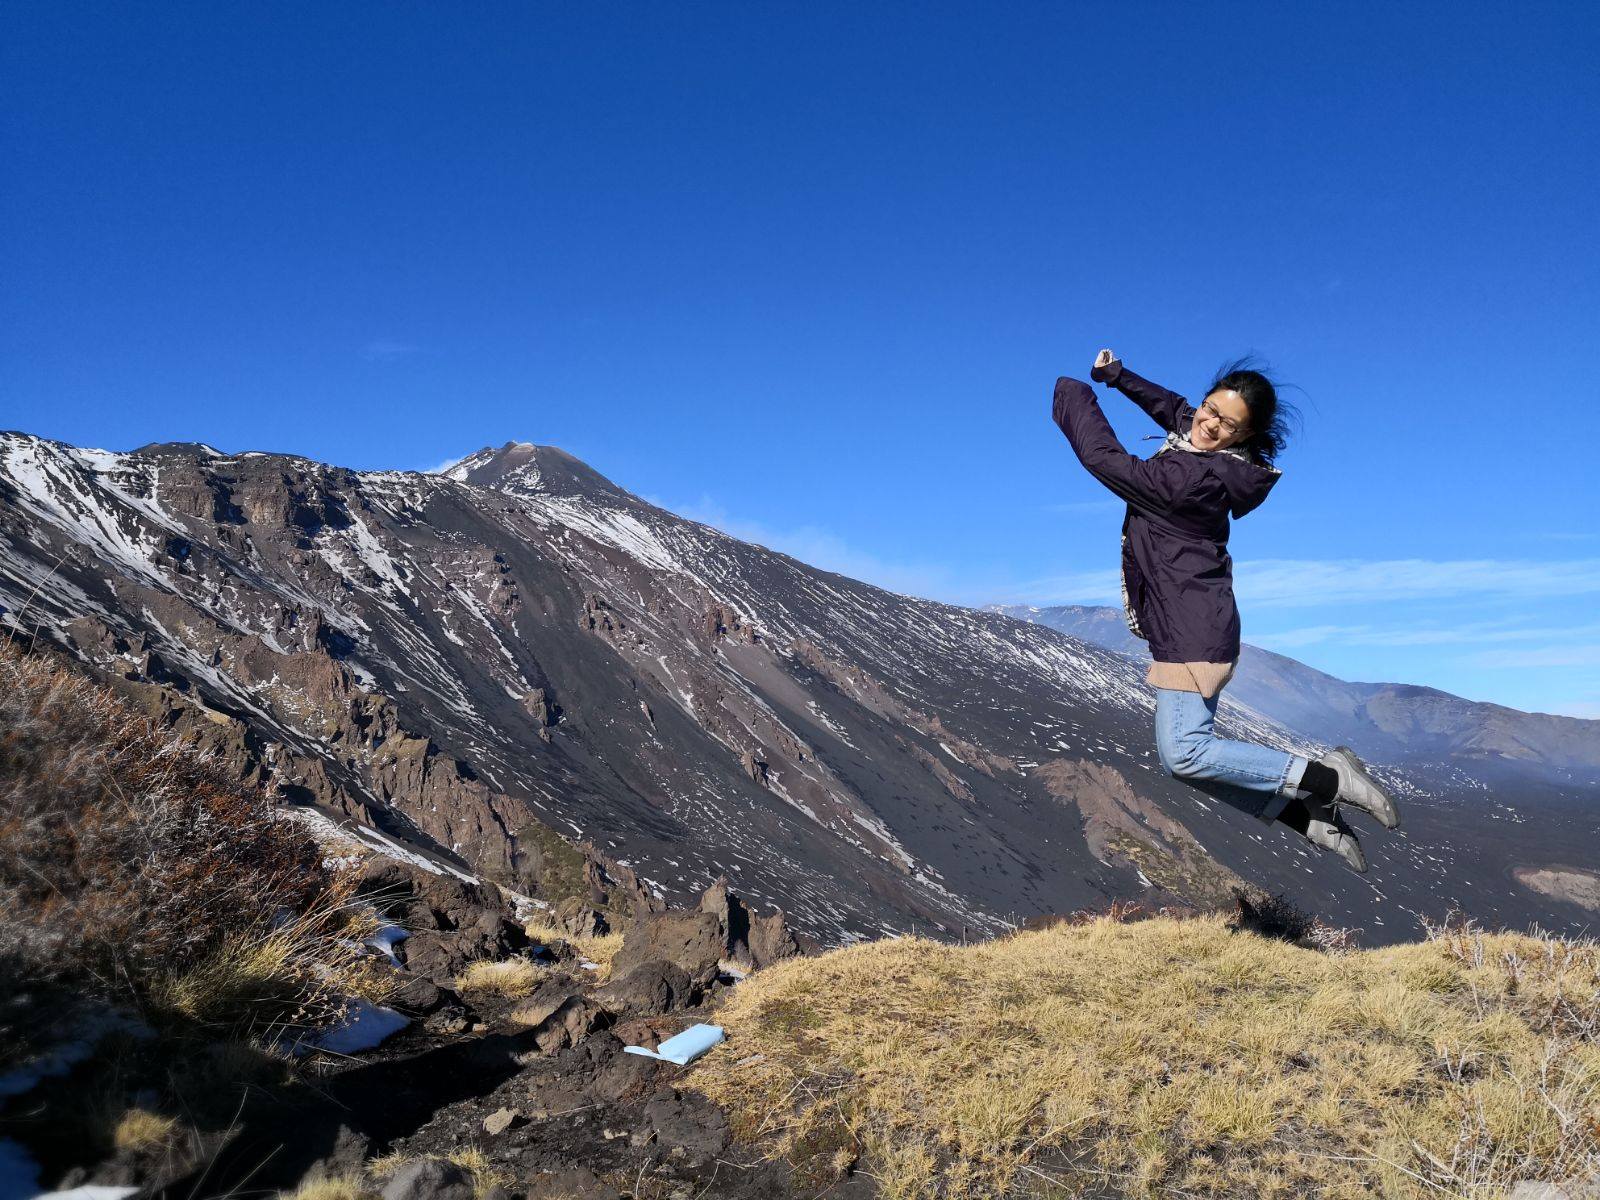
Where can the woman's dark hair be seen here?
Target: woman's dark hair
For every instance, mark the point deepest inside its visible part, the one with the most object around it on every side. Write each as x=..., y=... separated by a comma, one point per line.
x=1269, y=415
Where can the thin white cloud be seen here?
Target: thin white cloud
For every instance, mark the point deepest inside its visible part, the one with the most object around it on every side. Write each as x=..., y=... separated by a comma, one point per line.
x=447, y=464
x=387, y=349
x=1561, y=655
x=1291, y=583
x=1310, y=635
x=1078, y=587
x=1474, y=632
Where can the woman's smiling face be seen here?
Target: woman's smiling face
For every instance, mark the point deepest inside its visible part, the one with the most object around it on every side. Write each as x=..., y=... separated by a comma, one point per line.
x=1223, y=420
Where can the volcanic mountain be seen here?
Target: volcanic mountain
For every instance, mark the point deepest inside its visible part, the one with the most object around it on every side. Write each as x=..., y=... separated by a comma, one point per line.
x=469, y=663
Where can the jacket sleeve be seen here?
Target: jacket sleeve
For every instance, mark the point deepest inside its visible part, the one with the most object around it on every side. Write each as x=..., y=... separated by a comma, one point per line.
x=1157, y=485
x=1167, y=409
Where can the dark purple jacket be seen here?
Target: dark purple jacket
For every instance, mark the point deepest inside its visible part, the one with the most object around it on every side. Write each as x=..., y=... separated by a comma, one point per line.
x=1177, y=574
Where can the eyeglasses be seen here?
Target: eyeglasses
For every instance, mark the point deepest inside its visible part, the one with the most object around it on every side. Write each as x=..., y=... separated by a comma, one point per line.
x=1229, y=425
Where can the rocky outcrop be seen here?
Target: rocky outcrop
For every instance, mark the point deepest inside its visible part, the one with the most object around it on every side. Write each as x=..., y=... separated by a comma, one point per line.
x=722, y=621
x=749, y=939
x=656, y=986
x=695, y=942
x=544, y=712
x=1120, y=825
x=1572, y=884
x=430, y=1179
x=579, y=919
x=870, y=692
x=616, y=887
x=564, y=1023
x=452, y=923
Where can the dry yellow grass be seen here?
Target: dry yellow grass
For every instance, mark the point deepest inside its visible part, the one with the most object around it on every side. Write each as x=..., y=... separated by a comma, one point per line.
x=340, y=1187
x=300, y=972
x=598, y=950
x=140, y=1129
x=1173, y=1057
x=512, y=978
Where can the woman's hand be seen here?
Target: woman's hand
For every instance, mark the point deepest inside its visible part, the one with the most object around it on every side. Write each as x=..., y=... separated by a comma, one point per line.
x=1102, y=366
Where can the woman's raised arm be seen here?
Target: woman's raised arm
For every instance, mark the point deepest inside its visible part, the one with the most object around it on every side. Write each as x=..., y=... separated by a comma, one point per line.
x=1167, y=409
x=1157, y=485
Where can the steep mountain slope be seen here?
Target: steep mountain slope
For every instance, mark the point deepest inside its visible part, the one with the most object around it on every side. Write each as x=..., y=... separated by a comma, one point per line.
x=1392, y=722
x=468, y=661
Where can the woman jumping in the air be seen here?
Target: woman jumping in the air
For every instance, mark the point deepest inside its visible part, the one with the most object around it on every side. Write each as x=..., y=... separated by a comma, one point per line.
x=1177, y=589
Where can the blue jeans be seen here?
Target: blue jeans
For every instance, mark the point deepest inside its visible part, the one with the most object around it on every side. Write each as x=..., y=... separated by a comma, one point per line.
x=1257, y=780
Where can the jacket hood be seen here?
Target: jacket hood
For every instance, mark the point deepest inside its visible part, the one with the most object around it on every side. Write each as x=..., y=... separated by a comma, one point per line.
x=1246, y=481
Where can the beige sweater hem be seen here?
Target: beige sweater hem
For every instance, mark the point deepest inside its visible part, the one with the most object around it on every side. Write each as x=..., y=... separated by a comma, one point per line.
x=1207, y=678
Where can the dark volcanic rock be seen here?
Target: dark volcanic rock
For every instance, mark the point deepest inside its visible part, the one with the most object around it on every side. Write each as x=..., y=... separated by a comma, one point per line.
x=694, y=941
x=615, y=1076
x=689, y=1121
x=752, y=941
x=453, y=924
x=417, y=995
x=446, y=903
x=442, y=957
x=579, y=919
x=449, y=1021
x=429, y=1179
x=388, y=883
x=772, y=940
x=656, y=986
x=565, y=1023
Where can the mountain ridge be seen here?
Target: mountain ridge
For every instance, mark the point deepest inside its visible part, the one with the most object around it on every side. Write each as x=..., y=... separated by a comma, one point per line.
x=478, y=669
x=1316, y=703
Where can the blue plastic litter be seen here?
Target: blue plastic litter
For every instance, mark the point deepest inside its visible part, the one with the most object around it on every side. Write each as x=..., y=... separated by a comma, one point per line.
x=683, y=1048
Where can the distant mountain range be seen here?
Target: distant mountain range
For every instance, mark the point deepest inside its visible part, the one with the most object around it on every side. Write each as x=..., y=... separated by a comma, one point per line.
x=479, y=663
x=1389, y=722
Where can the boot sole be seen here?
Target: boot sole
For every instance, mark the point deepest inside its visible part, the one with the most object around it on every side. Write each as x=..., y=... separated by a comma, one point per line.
x=1359, y=870
x=1373, y=783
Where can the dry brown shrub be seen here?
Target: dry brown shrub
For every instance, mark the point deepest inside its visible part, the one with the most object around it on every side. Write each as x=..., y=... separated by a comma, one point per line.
x=1276, y=916
x=128, y=861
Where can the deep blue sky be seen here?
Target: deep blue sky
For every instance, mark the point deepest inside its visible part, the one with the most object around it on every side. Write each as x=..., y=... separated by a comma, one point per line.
x=810, y=271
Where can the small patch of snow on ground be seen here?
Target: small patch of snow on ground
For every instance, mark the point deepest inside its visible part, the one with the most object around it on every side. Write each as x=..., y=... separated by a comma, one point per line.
x=19, y=1180
x=386, y=939
x=393, y=849
x=365, y=1025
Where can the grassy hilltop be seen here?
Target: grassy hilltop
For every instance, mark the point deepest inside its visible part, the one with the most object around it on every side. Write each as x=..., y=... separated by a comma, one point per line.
x=1173, y=1057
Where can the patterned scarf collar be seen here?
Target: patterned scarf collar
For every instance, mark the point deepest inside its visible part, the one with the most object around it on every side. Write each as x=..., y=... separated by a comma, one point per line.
x=1180, y=441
